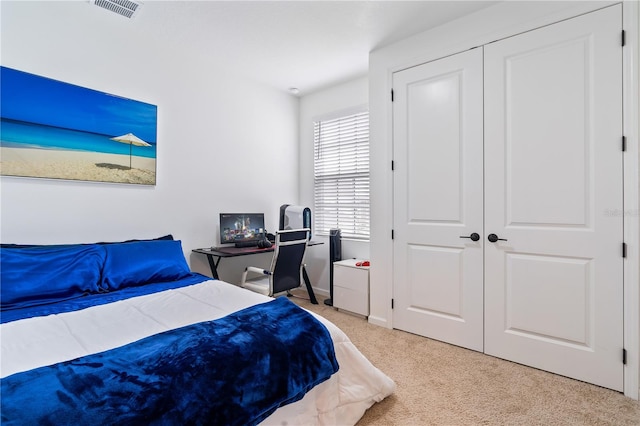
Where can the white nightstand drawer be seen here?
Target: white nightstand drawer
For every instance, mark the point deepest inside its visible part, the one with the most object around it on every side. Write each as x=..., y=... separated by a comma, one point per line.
x=350, y=300
x=354, y=278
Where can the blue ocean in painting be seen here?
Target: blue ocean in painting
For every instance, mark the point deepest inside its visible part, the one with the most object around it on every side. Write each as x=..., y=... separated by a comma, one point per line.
x=18, y=134
x=38, y=112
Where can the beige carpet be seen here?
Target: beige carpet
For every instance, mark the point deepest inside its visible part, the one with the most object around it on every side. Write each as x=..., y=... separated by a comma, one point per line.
x=441, y=384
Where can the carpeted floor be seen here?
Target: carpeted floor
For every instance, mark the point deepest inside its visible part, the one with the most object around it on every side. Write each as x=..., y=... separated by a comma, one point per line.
x=441, y=384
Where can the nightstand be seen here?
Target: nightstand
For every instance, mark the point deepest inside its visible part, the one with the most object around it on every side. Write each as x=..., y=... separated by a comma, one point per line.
x=351, y=286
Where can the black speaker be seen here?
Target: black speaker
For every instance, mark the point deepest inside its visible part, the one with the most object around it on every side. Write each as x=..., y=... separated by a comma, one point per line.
x=335, y=254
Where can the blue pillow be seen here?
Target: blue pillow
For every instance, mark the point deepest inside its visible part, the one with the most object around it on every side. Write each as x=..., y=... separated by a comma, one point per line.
x=39, y=275
x=9, y=245
x=141, y=262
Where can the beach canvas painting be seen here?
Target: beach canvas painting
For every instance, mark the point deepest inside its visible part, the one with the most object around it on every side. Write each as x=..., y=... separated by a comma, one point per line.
x=56, y=130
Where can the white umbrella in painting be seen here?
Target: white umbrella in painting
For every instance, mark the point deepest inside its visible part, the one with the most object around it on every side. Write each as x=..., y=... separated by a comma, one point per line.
x=131, y=139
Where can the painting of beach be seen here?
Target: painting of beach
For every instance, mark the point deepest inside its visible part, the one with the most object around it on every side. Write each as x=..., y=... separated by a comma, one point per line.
x=55, y=130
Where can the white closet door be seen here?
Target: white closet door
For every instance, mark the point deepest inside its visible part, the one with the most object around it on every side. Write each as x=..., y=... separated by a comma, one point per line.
x=438, y=198
x=553, y=190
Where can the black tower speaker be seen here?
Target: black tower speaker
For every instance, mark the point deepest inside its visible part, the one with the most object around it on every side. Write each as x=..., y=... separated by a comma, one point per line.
x=335, y=254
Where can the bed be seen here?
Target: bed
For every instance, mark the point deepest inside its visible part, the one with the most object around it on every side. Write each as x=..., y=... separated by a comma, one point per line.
x=124, y=333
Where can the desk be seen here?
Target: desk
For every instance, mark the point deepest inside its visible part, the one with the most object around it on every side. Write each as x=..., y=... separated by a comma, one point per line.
x=219, y=252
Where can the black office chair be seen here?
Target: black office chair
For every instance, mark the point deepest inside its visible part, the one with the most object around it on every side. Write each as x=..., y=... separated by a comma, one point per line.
x=286, y=265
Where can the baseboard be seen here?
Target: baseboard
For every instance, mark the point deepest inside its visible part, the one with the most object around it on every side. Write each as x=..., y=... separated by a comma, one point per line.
x=382, y=322
x=321, y=293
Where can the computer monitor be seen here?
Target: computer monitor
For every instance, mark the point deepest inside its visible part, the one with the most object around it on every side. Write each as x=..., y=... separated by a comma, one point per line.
x=241, y=229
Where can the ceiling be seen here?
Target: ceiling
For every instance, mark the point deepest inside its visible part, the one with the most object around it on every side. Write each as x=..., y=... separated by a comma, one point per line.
x=303, y=44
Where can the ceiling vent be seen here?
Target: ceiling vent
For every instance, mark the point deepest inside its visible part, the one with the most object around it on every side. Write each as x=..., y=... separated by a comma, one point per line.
x=126, y=8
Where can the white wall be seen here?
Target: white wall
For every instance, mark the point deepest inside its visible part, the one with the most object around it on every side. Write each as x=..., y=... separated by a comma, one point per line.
x=225, y=143
x=499, y=21
x=353, y=93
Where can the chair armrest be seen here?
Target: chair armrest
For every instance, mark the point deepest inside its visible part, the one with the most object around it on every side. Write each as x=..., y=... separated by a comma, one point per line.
x=257, y=270
x=254, y=270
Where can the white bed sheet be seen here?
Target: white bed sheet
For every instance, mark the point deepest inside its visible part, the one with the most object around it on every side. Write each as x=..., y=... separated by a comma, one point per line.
x=39, y=341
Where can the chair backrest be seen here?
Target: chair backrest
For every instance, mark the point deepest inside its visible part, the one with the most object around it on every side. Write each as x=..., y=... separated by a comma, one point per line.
x=287, y=259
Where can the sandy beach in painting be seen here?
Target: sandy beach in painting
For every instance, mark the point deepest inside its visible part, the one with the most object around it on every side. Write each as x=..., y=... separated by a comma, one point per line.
x=77, y=165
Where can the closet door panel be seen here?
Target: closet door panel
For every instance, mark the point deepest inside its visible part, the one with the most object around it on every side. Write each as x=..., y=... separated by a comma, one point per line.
x=545, y=179
x=434, y=138
x=553, y=169
x=438, y=199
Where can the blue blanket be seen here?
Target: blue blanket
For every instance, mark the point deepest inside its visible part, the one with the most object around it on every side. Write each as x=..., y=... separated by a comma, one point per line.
x=232, y=371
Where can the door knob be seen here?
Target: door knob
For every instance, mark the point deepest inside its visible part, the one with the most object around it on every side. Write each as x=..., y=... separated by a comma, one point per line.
x=474, y=237
x=493, y=238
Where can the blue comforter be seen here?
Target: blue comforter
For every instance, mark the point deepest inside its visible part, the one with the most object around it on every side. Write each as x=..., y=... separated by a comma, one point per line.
x=232, y=371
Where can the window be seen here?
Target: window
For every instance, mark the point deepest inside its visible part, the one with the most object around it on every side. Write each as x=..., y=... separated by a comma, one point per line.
x=341, y=175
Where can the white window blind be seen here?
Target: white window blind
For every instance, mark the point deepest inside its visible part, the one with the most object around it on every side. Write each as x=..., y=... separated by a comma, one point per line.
x=341, y=176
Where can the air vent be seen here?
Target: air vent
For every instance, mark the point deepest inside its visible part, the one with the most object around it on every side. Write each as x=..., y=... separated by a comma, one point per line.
x=126, y=8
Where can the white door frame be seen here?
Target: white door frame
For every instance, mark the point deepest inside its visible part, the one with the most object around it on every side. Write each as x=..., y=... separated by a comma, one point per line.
x=631, y=112
x=485, y=26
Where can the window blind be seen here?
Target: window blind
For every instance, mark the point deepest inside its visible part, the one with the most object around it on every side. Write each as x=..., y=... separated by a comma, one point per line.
x=341, y=176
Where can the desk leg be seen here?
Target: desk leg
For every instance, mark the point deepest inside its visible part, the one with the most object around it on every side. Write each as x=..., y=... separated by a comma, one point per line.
x=214, y=266
x=312, y=296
